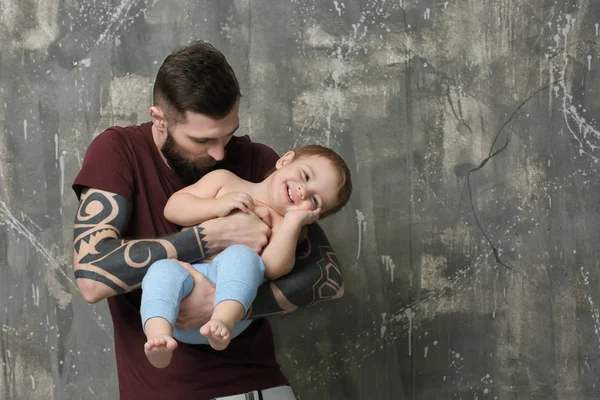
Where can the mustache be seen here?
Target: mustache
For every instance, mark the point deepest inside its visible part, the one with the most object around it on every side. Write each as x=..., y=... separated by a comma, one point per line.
x=189, y=169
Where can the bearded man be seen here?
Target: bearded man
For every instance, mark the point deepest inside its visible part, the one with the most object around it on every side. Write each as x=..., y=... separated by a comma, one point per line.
x=126, y=179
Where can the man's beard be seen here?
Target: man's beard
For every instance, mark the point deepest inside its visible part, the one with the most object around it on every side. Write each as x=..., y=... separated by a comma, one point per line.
x=189, y=170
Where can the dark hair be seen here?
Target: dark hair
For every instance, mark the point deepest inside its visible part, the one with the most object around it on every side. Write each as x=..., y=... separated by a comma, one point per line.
x=345, y=186
x=196, y=78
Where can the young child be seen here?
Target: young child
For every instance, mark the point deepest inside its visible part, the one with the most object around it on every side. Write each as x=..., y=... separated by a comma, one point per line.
x=307, y=184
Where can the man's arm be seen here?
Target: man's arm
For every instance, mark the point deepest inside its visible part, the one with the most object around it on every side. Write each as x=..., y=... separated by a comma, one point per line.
x=316, y=277
x=106, y=265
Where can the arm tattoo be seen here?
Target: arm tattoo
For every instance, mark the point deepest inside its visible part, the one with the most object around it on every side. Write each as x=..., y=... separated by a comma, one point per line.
x=316, y=277
x=102, y=256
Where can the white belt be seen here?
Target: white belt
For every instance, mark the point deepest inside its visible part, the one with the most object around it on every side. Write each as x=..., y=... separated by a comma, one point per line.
x=276, y=393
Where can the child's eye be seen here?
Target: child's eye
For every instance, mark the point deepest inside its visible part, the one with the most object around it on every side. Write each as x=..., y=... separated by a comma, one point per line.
x=305, y=175
x=314, y=201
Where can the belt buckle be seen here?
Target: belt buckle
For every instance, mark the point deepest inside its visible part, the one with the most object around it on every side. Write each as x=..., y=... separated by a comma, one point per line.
x=253, y=395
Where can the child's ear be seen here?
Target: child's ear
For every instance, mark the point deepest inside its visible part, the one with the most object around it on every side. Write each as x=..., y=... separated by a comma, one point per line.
x=285, y=159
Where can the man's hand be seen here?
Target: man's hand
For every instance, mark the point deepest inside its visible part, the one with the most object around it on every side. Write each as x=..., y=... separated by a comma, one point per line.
x=237, y=228
x=197, y=308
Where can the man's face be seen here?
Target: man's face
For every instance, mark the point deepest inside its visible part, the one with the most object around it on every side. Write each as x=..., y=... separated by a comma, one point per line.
x=198, y=144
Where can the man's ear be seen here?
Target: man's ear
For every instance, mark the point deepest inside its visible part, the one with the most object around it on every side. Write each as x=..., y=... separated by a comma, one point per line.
x=285, y=159
x=158, y=118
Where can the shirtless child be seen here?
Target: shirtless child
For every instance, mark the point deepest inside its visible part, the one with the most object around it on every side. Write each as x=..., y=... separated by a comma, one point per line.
x=306, y=185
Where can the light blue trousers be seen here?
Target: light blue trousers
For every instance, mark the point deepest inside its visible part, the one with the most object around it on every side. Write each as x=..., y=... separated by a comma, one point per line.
x=237, y=273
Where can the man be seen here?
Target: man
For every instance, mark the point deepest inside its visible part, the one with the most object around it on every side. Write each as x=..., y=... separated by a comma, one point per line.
x=126, y=178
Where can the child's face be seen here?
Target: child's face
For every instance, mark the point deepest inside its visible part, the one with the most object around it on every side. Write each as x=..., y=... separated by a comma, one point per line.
x=304, y=183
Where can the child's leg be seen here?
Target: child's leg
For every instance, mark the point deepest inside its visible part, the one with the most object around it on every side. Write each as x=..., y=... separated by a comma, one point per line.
x=166, y=283
x=238, y=271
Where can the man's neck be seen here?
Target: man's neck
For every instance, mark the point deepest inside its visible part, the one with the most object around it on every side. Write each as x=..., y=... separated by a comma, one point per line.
x=159, y=142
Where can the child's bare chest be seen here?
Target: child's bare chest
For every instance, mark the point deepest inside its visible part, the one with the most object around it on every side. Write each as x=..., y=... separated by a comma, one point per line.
x=262, y=210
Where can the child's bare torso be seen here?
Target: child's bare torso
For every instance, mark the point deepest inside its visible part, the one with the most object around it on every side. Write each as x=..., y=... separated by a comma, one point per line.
x=262, y=210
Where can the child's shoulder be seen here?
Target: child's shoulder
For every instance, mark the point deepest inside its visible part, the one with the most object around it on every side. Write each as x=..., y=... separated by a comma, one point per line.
x=225, y=179
x=222, y=174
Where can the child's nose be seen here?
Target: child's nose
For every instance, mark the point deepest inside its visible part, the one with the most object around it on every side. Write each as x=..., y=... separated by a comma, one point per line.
x=301, y=191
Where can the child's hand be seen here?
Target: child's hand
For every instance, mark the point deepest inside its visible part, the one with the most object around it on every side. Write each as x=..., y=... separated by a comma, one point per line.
x=234, y=201
x=303, y=217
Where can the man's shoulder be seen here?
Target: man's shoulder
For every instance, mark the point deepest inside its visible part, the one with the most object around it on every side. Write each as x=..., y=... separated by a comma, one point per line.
x=124, y=142
x=109, y=161
x=250, y=160
x=123, y=133
x=246, y=145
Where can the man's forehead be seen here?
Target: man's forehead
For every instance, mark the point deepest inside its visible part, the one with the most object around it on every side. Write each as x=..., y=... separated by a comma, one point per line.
x=204, y=127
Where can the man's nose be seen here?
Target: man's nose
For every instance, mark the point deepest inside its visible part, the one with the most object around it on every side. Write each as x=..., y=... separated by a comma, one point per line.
x=217, y=151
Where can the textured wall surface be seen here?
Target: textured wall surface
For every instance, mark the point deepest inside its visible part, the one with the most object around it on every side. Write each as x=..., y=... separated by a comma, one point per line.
x=468, y=249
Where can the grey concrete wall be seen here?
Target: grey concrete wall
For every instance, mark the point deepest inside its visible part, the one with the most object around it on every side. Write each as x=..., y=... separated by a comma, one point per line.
x=415, y=94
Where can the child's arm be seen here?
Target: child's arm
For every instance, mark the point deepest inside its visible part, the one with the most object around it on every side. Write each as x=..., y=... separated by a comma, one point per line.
x=196, y=203
x=280, y=254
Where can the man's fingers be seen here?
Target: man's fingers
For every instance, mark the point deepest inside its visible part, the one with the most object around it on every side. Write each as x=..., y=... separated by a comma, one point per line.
x=197, y=276
x=264, y=215
x=182, y=263
x=187, y=267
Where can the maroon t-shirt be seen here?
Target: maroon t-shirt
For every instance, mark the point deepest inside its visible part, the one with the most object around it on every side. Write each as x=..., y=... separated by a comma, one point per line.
x=126, y=161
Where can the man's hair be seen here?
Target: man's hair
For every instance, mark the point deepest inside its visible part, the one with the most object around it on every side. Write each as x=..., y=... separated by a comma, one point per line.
x=345, y=185
x=196, y=78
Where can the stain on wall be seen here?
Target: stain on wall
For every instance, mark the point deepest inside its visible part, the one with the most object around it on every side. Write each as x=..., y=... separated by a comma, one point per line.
x=468, y=248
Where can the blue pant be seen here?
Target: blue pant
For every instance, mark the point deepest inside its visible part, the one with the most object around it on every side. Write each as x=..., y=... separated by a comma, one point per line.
x=237, y=273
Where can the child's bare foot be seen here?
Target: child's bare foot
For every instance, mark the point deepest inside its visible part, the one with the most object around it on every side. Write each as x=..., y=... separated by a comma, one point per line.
x=217, y=334
x=159, y=350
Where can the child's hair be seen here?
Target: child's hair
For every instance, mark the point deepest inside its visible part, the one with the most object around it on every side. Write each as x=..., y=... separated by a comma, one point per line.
x=345, y=186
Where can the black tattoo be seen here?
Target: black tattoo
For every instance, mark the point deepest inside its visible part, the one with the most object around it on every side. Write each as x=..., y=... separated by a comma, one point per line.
x=101, y=255
x=316, y=277
x=81, y=273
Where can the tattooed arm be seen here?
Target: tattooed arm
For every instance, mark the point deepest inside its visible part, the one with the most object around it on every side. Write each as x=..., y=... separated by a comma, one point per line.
x=316, y=277
x=106, y=265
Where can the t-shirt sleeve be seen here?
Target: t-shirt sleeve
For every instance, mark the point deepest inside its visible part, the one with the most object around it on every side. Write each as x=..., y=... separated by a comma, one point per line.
x=107, y=166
